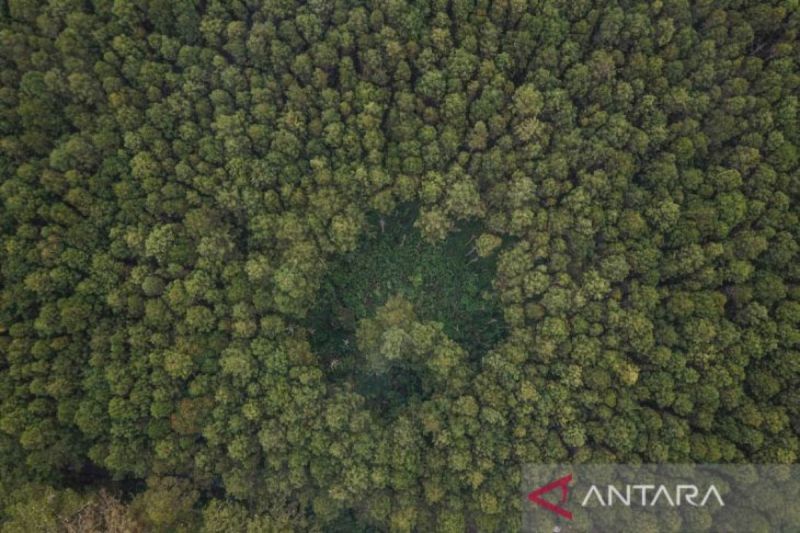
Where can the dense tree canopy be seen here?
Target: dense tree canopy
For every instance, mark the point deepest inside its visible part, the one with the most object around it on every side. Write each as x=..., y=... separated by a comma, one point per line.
x=341, y=265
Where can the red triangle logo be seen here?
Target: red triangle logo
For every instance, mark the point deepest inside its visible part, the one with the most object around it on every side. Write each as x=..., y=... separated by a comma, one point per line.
x=563, y=484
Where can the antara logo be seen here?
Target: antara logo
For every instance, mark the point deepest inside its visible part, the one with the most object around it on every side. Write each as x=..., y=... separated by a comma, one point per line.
x=639, y=495
x=627, y=496
x=561, y=483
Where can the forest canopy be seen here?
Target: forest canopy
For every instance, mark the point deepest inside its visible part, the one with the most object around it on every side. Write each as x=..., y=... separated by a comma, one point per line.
x=347, y=266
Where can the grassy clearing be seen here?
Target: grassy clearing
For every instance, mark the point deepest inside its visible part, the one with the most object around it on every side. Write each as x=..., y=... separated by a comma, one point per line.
x=446, y=282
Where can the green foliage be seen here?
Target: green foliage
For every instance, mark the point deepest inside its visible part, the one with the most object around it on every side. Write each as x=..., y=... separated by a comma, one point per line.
x=38, y=508
x=305, y=266
x=444, y=282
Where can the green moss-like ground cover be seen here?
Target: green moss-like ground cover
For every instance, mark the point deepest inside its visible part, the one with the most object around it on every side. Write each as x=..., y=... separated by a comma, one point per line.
x=446, y=282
